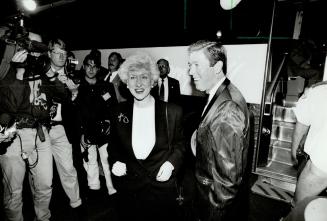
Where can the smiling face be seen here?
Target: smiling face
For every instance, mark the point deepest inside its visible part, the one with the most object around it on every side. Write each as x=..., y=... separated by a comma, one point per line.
x=203, y=74
x=139, y=84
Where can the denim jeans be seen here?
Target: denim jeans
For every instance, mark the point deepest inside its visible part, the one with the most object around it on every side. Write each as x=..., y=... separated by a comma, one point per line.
x=92, y=168
x=40, y=174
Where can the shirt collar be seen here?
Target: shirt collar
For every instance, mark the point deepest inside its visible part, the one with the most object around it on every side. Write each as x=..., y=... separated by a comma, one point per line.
x=215, y=88
x=60, y=71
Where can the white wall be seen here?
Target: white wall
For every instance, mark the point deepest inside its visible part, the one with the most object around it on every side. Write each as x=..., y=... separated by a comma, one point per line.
x=245, y=66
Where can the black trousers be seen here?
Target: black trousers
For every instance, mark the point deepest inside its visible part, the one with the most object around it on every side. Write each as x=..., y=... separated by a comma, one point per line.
x=149, y=203
x=237, y=210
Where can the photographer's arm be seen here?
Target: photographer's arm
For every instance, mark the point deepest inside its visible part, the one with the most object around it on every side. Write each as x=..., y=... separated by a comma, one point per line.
x=8, y=52
x=299, y=132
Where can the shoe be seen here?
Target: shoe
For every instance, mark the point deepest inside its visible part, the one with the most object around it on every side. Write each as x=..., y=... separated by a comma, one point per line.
x=112, y=191
x=80, y=213
x=94, y=195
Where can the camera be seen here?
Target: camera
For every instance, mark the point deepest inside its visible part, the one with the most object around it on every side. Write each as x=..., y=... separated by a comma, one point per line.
x=16, y=35
x=34, y=66
x=73, y=74
x=97, y=132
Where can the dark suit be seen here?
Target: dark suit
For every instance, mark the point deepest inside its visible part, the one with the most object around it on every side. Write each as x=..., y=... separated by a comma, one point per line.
x=139, y=188
x=174, y=91
x=221, y=154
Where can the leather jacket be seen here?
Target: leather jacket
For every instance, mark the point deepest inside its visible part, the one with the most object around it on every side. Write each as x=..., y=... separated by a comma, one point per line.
x=222, y=142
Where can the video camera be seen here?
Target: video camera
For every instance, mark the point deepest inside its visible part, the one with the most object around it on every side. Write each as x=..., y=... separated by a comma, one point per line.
x=16, y=35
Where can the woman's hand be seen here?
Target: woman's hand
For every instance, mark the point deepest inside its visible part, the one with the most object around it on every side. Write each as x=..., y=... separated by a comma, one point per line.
x=165, y=171
x=119, y=169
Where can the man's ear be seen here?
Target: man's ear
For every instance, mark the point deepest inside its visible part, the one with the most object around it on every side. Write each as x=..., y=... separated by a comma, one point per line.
x=218, y=67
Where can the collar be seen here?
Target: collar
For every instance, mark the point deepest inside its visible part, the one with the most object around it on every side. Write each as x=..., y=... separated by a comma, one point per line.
x=163, y=79
x=113, y=74
x=61, y=71
x=213, y=90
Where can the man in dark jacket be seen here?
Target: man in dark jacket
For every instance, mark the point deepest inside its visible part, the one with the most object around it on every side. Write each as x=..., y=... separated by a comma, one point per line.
x=221, y=141
x=168, y=88
x=94, y=101
x=30, y=150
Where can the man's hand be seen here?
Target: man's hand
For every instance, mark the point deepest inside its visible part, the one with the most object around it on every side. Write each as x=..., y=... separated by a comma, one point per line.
x=165, y=171
x=119, y=169
x=83, y=143
x=8, y=134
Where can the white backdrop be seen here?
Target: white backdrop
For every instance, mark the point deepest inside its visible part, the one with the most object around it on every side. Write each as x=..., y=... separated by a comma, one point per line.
x=245, y=66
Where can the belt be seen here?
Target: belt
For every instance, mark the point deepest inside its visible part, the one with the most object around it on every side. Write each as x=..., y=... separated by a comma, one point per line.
x=26, y=122
x=204, y=180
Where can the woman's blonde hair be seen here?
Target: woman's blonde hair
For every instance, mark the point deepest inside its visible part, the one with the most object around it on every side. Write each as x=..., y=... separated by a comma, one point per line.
x=136, y=62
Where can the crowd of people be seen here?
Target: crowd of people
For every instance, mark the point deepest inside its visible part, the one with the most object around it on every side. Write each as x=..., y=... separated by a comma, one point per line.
x=129, y=117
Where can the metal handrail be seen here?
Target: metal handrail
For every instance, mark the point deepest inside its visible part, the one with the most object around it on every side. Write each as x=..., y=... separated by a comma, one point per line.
x=272, y=88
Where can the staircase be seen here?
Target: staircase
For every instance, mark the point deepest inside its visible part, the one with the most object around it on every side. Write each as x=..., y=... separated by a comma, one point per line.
x=277, y=179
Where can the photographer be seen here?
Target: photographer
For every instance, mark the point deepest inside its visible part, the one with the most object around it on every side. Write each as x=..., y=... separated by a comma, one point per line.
x=62, y=91
x=29, y=150
x=95, y=99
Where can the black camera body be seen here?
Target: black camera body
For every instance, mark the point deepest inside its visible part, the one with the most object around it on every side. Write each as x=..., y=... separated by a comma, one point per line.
x=97, y=132
x=15, y=34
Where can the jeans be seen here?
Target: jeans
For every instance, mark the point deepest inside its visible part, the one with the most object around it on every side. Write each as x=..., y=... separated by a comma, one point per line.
x=40, y=174
x=92, y=167
x=62, y=153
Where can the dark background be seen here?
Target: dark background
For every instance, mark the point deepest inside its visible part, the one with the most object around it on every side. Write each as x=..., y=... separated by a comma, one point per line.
x=84, y=24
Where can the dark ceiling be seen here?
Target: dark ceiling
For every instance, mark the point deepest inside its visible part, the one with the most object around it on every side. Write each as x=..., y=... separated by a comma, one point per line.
x=85, y=24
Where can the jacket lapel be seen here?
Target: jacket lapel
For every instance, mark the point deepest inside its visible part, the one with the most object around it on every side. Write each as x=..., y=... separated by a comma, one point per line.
x=212, y=106
x=128, y=109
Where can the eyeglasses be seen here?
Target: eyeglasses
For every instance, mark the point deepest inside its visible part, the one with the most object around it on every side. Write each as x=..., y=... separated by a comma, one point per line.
x=58, y=53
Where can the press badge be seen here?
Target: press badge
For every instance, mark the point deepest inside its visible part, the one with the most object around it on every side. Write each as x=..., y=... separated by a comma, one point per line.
x=106, y=96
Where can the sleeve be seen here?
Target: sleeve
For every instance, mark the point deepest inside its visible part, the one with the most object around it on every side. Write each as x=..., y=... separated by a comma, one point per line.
x=8, y=53
x=226, y=134
x=177, y=140
x=302, y=110
x=114, y=154
x=14, y=94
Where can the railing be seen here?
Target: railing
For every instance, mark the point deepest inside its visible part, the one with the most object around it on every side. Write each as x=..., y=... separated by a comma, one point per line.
x=267, y=117
x=271, y=91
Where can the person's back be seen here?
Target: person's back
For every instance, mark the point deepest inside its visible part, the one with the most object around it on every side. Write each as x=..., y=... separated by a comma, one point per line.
x=311, y=115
